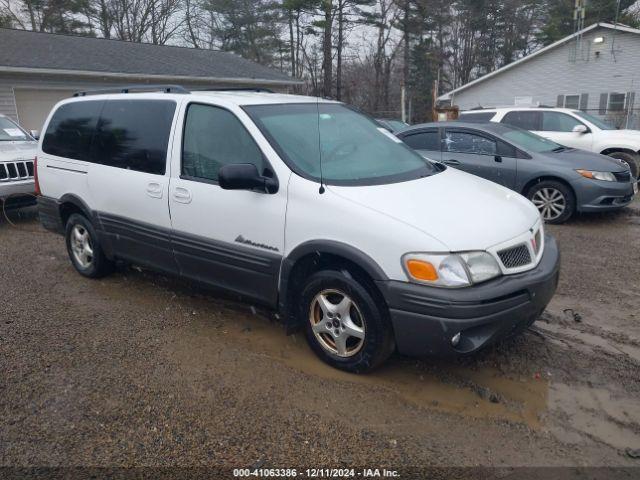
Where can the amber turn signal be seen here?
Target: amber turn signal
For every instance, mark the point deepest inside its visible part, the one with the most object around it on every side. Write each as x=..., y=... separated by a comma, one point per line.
x=421, y=270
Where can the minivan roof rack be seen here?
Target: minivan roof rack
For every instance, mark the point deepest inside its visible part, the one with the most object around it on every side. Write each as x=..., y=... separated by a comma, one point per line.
x=234, y=89
x=133, y=88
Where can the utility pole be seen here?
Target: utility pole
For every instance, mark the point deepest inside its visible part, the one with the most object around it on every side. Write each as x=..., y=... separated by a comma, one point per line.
x=403, y=109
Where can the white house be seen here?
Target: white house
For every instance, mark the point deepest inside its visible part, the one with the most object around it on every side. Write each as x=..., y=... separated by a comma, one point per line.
x=596, y=69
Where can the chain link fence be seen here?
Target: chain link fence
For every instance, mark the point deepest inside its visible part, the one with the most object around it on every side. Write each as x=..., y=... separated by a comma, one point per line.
x=622, y=119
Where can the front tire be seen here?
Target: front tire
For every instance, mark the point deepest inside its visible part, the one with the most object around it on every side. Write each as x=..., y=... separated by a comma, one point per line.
x=554, y=200
x=84, y=249
x=631, y=159
x=347, y=326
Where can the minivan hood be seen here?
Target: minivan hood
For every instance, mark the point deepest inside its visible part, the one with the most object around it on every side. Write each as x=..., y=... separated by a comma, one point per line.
x=581, y=159
x=462, y=211
x=12, y=151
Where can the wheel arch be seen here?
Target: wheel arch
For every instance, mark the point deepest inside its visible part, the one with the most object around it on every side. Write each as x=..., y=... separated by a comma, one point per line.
x=314, y=256
x=543, y=178
x=609, y=150
x=70, y=204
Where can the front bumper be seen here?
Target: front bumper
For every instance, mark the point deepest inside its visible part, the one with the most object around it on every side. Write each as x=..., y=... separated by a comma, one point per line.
x=601, y=196
x=16, y=188
x=426, y=318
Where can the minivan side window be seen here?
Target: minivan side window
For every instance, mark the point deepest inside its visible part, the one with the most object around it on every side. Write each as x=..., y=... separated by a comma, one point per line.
x=466, y=142
x=558, y=122
x=71, y=130
x=523, y=119
x=214, y=137
x=134, y=134
x=479, y=117
x=429, y=140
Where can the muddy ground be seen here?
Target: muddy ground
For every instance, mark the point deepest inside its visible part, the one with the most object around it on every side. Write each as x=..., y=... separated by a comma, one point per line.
x=142, y=370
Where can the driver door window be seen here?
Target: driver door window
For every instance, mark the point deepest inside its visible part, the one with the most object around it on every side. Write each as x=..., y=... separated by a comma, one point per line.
x=559, y=126
x=558, y=122
x=214, y=137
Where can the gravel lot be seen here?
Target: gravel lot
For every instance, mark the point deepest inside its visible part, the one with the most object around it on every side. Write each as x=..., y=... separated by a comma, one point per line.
x=142, y=370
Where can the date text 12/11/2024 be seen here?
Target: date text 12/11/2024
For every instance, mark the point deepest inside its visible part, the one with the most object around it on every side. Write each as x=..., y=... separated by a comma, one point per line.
x=316, y=473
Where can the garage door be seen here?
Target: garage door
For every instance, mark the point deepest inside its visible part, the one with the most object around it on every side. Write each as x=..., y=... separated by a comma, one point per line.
x=34, y=105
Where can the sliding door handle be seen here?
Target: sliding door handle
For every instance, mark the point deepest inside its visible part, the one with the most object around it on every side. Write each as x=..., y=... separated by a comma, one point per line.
x=154, y=190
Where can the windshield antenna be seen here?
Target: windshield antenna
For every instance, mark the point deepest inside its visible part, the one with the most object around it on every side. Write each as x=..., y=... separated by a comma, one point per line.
x=321, y=190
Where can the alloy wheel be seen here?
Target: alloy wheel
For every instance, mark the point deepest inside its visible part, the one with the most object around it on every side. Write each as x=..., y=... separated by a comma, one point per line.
x=337, y=323
x=81, y=246
x=550, y=202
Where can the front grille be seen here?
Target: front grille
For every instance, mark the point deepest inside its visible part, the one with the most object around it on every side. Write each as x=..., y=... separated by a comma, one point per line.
x=623, y=176
x=20, y=170
x=515, y=257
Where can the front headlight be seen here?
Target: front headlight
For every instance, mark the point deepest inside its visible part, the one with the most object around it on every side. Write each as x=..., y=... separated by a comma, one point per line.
x=606, y=176
x=450, y=269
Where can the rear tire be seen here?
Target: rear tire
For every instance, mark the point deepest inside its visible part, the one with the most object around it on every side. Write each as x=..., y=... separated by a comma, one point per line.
x=346, y=325
x=631, y=159
x=554, y=200
x=84, y=248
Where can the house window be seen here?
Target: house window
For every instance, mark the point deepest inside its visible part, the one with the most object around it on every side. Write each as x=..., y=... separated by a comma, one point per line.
x=616, y=102
x=572, y=101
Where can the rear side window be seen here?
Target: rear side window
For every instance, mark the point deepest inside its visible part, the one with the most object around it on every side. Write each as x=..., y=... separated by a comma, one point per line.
x=214, y=137
x=423, y=140
x=71, y=129
x=466, y=142
x=134, y=135
x=523, y=119
x=481, y=117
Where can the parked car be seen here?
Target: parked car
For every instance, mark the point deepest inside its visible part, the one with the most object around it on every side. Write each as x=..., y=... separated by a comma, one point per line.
x=304, y=206
x=571, y=128
x=557, y=179
x=392, y=125
x=17, y=152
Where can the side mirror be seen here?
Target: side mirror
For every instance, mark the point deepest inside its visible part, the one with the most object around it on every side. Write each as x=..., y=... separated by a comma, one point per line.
x=35, y=134
x=580, y=129
x=245, y=176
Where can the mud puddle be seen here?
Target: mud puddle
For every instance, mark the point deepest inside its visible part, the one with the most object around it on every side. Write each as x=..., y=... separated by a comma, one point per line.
x=573, y=413
x=478, y=393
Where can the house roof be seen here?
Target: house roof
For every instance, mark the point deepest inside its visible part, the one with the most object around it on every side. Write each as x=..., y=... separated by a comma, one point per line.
x=34, y=52
x=619, y=27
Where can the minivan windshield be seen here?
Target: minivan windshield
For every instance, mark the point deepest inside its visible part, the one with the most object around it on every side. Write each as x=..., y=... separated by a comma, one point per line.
x=10, y=132
x=596, y=121
x=353, y=148
x=530, y=141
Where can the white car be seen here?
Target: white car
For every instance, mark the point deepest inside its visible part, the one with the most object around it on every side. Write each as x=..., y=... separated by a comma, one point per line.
x=302, y=205
x=17, y=153
x=571, y=128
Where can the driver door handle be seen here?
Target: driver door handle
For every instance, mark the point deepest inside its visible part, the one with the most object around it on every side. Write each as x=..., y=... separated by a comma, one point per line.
x=154, y=190
x=182, y=195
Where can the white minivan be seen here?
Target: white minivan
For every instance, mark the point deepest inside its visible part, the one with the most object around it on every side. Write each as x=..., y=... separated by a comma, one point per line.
x=302, y=205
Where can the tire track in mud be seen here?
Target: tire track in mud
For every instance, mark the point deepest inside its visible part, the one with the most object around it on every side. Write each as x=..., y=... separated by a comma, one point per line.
x=600, y=404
